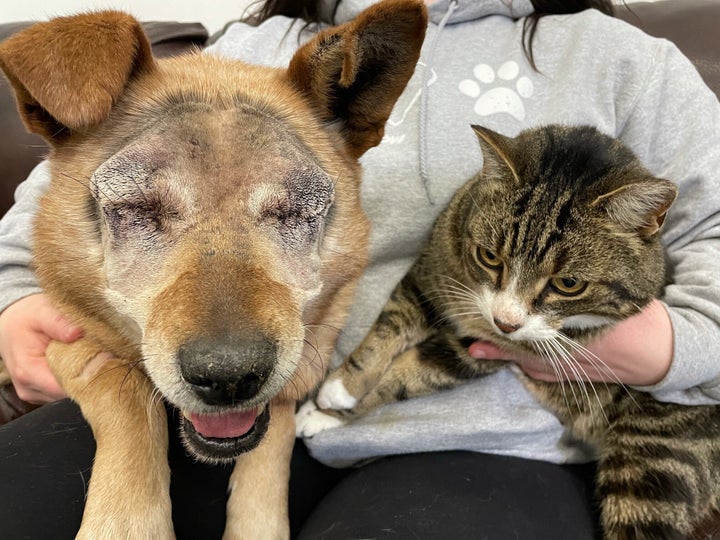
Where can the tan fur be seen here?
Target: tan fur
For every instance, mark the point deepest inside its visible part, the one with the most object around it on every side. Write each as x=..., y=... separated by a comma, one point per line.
x=224, y=147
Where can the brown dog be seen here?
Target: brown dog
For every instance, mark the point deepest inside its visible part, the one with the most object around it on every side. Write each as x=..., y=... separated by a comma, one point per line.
x=203, y=226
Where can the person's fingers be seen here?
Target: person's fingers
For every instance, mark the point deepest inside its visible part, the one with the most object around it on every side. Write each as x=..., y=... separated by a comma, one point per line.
x=35, y=383
x=486, y=350
x=40, y=396
x=541, y=374
x=535, y=367
x=56, y=325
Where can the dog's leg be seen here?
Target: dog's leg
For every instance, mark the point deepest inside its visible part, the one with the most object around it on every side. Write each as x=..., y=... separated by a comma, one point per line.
x=128, y=496
x=257, y=509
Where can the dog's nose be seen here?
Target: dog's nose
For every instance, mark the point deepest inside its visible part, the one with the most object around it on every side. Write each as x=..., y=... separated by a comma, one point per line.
x=227, y=371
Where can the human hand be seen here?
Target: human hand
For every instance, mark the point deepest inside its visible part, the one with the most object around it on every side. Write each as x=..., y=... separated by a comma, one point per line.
x=26, y=328
x=638, y=351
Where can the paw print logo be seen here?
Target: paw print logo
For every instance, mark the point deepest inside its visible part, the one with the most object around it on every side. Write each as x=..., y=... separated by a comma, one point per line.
x=507, y=98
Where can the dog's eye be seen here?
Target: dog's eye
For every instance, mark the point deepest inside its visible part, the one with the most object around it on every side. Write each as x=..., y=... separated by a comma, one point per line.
x=297, y=225
x=148, y=218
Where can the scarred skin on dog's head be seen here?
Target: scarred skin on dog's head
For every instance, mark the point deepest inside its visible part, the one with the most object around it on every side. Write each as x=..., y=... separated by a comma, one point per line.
x=204, y=214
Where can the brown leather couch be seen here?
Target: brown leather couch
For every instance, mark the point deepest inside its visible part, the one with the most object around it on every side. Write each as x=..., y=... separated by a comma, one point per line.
x=691, y=24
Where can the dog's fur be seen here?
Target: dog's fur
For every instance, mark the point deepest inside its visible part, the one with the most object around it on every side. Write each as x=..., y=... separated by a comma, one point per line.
x=203, y=226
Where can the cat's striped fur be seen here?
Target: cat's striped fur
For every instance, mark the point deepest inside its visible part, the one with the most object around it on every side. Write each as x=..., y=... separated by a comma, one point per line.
x=554, y=241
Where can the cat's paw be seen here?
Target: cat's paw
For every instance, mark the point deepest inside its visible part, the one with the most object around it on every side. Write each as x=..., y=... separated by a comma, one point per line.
x=309, y=420
x=334, y=395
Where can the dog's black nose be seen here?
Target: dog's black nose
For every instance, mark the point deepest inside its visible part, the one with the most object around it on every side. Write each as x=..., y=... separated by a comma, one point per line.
x=227, y=371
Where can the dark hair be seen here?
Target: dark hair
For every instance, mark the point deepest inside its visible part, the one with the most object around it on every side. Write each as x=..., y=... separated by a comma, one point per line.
x=309, y=11
x=557, y=7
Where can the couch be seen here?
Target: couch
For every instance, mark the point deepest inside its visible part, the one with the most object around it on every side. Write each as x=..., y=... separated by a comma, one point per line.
x=691, y=24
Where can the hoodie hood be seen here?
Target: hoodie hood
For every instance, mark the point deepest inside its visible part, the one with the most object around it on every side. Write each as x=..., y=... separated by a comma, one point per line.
x=466, y=10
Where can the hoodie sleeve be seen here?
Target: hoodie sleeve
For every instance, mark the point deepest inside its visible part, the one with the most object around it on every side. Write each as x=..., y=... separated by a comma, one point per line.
x=674, y=127
x=16, y=278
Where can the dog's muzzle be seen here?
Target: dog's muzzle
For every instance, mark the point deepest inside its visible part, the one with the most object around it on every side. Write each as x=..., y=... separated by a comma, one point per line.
x=224, y=436
x=226, y=375
x=227, y=372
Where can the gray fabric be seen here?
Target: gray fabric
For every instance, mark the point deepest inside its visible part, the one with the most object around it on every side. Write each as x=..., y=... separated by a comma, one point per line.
x=591, y=70
x=16, y=278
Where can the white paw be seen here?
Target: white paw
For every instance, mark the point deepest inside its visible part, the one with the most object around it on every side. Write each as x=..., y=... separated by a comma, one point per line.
x=309, y=420
x=333, y=395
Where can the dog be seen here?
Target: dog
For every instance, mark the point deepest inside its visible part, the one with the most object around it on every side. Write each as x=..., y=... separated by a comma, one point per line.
x=203, y=225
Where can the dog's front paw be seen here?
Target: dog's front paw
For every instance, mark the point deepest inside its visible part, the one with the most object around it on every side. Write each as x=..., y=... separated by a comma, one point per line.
x=334, y=395
x=309, y=420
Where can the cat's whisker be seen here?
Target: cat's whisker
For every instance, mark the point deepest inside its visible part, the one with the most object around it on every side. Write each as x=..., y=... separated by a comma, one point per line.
x=569, y=363
x=582, y=378
x=450, y=290
x=591, y=357
x=448, y=317
x=565, y=380
x=451, y=304
x=448, y=298
x=461, y=285
x=456, y=293
x=579, y=392
x=598, y=363
x=540, y=348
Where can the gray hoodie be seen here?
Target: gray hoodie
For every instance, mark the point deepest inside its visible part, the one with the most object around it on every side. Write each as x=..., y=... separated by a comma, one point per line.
x=592, y=69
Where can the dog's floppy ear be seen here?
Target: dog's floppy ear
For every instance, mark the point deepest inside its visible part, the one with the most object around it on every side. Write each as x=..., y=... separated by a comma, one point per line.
x=356, y=72
x=67, y=73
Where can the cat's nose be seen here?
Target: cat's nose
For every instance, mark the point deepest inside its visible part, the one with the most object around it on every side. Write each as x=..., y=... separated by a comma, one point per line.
x=505, y=327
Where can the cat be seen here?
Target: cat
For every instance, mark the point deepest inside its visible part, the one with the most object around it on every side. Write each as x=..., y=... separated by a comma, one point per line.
x=553, y=242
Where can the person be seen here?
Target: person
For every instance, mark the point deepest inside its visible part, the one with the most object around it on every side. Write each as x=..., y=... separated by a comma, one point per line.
x=485, y=458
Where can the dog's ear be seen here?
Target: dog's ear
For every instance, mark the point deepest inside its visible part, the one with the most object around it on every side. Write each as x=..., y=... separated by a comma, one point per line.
x=67, y=73
x=355, y=72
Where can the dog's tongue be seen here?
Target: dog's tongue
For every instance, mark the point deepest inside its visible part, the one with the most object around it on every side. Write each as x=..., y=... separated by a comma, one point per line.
x=223, y=426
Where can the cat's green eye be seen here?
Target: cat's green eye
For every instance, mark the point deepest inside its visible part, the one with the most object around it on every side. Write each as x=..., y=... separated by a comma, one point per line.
x=568, y=286
x=488, y=258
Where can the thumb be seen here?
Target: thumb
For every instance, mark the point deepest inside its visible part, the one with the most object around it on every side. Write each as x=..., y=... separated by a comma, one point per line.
x=486, y=350
x=532, y=366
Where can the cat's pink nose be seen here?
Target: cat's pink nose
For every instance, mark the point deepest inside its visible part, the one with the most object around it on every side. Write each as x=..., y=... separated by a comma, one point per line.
x=506, y=327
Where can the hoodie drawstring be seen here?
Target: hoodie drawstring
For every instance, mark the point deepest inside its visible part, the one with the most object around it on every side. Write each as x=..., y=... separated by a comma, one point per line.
x=422, y=124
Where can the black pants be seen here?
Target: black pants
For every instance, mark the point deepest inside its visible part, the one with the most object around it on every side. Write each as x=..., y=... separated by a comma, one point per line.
x=46, y=457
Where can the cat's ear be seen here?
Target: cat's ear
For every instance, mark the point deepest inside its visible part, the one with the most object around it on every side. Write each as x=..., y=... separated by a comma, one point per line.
x=641, y=206
x=498, y=152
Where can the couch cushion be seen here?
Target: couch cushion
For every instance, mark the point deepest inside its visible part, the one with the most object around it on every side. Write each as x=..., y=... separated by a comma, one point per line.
x=691, y=24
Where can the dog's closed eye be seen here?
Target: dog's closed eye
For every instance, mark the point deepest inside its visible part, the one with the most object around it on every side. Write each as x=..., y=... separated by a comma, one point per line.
x=299, y=211
x=147, y=218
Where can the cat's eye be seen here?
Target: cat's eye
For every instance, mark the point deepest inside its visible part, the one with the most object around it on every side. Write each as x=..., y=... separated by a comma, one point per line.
x=488, y=258
x=568, y=286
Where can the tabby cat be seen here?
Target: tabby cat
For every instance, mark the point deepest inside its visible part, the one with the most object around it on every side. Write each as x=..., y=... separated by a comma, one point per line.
x=553, y=242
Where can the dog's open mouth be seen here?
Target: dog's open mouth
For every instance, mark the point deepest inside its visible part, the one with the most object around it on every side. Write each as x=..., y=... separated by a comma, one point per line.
x=225, y=435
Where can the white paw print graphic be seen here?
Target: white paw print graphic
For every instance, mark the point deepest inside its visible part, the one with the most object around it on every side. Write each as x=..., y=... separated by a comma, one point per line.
x=507, y=98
